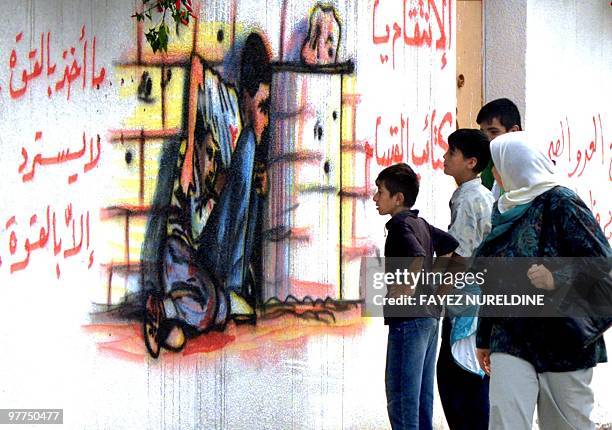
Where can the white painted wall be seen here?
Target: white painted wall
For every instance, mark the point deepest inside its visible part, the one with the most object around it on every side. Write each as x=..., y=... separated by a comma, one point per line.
x=505, y=45
x=331, y=380
x=52, y=357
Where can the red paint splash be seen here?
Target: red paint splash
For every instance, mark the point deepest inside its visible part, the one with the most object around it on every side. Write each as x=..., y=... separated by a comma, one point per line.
x=207, y=343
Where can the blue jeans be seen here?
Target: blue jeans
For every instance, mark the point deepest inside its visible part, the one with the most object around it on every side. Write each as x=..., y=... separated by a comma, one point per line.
x=409, y=376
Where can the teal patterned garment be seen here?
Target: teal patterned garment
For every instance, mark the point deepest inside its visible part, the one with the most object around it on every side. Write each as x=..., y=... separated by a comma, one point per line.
x=556, y=224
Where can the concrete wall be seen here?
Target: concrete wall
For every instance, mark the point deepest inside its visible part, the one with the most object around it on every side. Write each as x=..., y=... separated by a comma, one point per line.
x=505, y=47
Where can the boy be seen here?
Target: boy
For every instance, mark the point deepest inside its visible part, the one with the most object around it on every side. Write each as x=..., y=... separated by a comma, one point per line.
x=497, y=117
x=412, y=343
x=464, y=389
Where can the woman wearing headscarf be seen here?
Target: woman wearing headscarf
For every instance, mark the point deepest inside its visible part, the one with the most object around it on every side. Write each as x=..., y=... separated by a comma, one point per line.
x=529, y=360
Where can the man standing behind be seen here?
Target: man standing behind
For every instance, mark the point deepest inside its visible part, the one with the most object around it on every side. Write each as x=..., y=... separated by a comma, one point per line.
x=497, y=117
x=463, y=387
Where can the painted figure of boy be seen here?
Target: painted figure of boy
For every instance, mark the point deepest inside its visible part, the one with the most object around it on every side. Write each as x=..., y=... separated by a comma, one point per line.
x=216, y=202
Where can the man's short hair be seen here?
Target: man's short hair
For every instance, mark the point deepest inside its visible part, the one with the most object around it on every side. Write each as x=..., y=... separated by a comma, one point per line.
x=400, y=178
x=504, y=110
x=255, y=67
x=471, y=143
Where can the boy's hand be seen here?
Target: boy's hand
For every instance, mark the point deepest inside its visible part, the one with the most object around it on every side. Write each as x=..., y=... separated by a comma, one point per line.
x=541, y=277
x=484, y=359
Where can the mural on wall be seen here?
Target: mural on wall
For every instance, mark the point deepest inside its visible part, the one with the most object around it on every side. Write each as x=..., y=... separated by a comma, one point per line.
x=253, y=212
x=223, y=209
x=213, y=202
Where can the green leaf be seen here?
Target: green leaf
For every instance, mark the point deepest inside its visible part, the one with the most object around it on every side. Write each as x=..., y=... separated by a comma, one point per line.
x=158, y=37
x=155, y=44
x=163, y=37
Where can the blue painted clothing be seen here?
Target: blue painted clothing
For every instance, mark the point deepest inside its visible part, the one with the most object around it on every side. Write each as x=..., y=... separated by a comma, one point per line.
x=226, y=243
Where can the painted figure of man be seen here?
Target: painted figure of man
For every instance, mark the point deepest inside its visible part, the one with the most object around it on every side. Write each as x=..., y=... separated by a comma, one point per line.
x=215, y=203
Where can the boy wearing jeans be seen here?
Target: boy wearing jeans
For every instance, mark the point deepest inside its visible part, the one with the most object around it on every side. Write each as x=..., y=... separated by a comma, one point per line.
x=412, y=342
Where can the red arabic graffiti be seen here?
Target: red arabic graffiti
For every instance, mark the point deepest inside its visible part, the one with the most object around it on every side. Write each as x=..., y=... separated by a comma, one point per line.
x=584, y=154
x=71, y=237
x=428, y=146
x=74, y=59
x=606, y=224
x=425, y=21
x=61, y=157
x=593, y=155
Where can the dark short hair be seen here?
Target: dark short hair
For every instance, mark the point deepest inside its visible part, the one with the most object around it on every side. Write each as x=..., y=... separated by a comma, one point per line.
x=471, y=143
x=255, y=67
x=504, y=110
x=400, y=178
